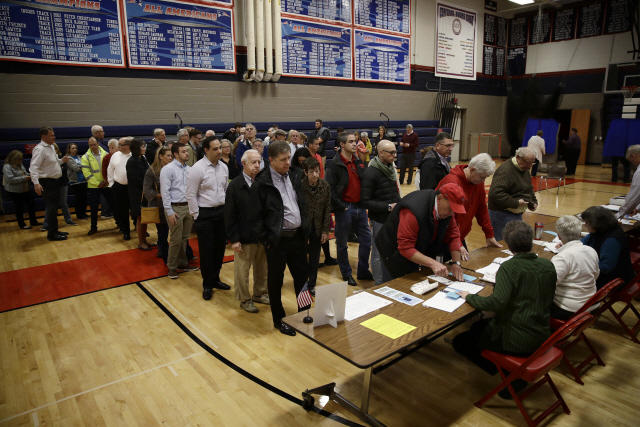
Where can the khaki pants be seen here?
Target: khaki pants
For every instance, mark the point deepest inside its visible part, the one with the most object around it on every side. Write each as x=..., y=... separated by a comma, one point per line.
x=252, y=254
x=178, y=236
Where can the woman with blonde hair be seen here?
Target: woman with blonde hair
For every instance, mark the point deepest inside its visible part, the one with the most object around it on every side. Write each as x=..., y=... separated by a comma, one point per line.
x=16, y=182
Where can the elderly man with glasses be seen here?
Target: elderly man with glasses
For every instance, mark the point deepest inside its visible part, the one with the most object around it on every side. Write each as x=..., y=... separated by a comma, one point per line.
x=511, y=191
x=434, y=164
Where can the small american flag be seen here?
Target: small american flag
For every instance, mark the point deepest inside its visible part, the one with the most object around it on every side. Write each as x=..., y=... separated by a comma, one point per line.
x=304, y=297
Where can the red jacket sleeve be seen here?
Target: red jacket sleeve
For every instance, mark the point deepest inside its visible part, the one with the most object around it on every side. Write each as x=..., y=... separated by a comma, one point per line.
x=452, y=237
x=408, y=229
x=105, y=163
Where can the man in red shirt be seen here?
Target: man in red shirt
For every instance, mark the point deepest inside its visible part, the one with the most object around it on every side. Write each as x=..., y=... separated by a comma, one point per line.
x=471, y=179
x=409, y=144
x=313, y=145
x=343, y=173
x=421, y=227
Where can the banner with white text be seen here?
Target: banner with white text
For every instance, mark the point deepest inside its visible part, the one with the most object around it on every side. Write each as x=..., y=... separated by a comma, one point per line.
x=455, y=42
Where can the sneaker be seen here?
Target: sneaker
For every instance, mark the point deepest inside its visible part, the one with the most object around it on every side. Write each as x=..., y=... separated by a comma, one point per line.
x=71, y=223
x=263, y=299
x=173, y=274
x=106, y=216
x=187, y=268
x=43, y=229
x=249, y=307
x=26, y=227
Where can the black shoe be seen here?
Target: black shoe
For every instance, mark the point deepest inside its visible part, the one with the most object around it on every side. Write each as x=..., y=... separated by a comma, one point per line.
x=195, y=258
x=57, y=237
x=222, y=286
x=284, y=329
x=349, y=280
x=148, y=235
x=313, y=292
x=330, y=261
x=127, y=236
x=120, y=231
x=366, y=276
x=64, y=233
x=518, y=385
x=92, y=232
x=353, y=239
x=207, y=293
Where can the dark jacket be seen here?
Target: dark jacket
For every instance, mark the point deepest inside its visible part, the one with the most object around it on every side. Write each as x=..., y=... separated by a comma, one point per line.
x=421, y=204
x=323, y=133
x=231, y=136
x=272, y=209
x=152, y=149
x=136, y=170
x=337, y=177
x=232, y=166
x=377, y=192
x=431, y=170
x=318, y=200
x=508, y=185
x=624, y=269
x=241, y=217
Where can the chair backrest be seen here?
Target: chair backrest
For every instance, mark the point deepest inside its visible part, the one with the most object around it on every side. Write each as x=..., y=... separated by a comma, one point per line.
x=629, y=287
x=556, y=171
x=561, y=334
x=599, y=296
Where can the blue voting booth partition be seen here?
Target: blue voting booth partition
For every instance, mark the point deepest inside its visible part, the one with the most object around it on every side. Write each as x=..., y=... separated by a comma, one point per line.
x=549, y=128
x=622, y=134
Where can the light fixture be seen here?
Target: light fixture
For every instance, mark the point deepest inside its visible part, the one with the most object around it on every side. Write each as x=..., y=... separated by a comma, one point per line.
x=522, y=2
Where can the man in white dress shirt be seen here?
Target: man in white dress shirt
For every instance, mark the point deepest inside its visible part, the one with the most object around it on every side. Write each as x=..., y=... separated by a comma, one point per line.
x=577, y=267
x=632, y=200
x=537, y=144
x=45, y=171
x=117, y=177
x=207, y=184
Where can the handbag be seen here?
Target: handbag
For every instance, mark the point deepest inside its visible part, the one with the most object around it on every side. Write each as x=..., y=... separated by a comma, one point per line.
x=149, y=215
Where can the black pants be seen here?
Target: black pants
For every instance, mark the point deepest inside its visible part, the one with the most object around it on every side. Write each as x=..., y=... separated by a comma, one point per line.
x=313, y=250
x=471, y=343
x=614, y=169
x=51, y=194
x=291, y=252
x=94, y=202
x=571, y=156
x=121, y=212
x=406, y=163
x=163, y=241
x=534, y=168
x=80, y=196
x=212, y=239
x=19, y=201
x=326, y=249
x=107, y=202
x=560, y=313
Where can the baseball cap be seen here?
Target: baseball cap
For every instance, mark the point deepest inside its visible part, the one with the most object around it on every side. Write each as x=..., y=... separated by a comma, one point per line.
x=454, y=194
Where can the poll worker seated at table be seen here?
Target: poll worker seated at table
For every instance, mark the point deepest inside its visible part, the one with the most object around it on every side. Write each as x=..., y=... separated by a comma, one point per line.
x=611, y=244
x=521, y=300
x=577, y=269
x=632, y=200
x=421, y=227
x=471, y=179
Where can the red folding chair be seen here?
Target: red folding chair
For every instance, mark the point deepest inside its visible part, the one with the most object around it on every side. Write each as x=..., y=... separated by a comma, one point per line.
x=626, y=296
x=535, y=368
x=597, y=298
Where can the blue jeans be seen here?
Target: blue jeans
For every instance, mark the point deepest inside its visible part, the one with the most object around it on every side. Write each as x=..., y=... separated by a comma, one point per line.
x=355, y=216
x=376, y=263
x=499, y=220
x=62, y=205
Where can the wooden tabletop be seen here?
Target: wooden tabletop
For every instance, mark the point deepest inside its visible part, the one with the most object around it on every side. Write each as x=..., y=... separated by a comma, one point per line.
x=364, y=347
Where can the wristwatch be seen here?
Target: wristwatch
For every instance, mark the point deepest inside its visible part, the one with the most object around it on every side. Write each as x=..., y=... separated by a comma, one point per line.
x=390, y=208
x=454, y=262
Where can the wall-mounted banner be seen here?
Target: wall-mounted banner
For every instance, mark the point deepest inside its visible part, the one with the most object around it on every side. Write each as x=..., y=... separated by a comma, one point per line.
x=590, y=20
x=382, y=57
x=334, y=10
x=455, y=42
x=618, y=19
x=390, y=15
x=540, y=28
x=62, y=32
x=564, y=24
x=311, y=49
x=172, y=34
x=517, y=61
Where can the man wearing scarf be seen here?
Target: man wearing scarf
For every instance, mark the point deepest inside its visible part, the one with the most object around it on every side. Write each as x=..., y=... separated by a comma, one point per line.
x=379, y=194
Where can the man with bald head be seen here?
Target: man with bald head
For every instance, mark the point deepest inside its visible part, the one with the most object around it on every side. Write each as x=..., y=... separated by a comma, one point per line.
x=379, y=194
x=511, y=191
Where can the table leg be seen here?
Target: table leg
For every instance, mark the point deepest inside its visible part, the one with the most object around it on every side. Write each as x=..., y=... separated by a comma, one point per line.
x=366, y=390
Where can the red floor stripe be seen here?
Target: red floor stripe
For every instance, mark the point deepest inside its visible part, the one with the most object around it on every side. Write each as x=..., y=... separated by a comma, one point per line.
x=35, y=285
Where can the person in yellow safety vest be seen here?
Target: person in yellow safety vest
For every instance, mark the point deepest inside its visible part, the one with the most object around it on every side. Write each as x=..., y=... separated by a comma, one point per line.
x=96, y=185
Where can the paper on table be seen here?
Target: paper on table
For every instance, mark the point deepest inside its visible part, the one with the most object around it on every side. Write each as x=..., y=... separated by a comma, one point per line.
x=439, y=279
x=388, y=326
x=440, y=301
x=465, y=277
x=363, y=303
x=614, y=208
x=491, y=278
x=501, y=260
x=507, y=251
x=489, y=269
x=398, y=296
x=627, y=222
x=539, y=242
x=463, y=286
x=551, y=247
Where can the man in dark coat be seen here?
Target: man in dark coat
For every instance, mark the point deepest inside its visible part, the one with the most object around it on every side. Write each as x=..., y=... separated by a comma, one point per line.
x=434, y=165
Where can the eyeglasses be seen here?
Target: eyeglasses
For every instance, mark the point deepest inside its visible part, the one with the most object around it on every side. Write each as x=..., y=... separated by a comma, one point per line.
x=448, y=145
x=393, y=153
x=527, y=162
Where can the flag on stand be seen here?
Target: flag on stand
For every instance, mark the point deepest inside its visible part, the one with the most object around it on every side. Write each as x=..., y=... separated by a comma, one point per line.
x=304, y=297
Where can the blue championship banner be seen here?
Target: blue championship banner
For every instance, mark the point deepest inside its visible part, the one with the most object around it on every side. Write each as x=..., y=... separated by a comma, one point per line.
x=73, y=32
x=311, y=49
x=334, y=10
x=382, y=58
x=171, y=34
x=390, y=15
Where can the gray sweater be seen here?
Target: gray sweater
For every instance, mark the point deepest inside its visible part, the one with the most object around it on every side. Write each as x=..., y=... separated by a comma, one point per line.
x=14, y=178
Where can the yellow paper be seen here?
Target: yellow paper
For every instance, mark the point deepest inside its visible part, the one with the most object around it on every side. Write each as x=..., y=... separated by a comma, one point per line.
x=388, y=326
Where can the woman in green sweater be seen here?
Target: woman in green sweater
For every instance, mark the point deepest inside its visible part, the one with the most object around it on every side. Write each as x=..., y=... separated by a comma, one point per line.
x=521, y=299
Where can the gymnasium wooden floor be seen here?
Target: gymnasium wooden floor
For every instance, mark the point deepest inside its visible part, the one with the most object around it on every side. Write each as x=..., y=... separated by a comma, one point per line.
x=155, y=353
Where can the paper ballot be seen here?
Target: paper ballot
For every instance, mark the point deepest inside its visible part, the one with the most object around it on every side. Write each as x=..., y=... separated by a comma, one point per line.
x=493, y=267
x=362, y=303
x=440, y=301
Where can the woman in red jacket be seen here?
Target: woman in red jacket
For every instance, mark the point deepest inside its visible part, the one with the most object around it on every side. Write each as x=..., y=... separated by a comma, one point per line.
x=471, y=178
